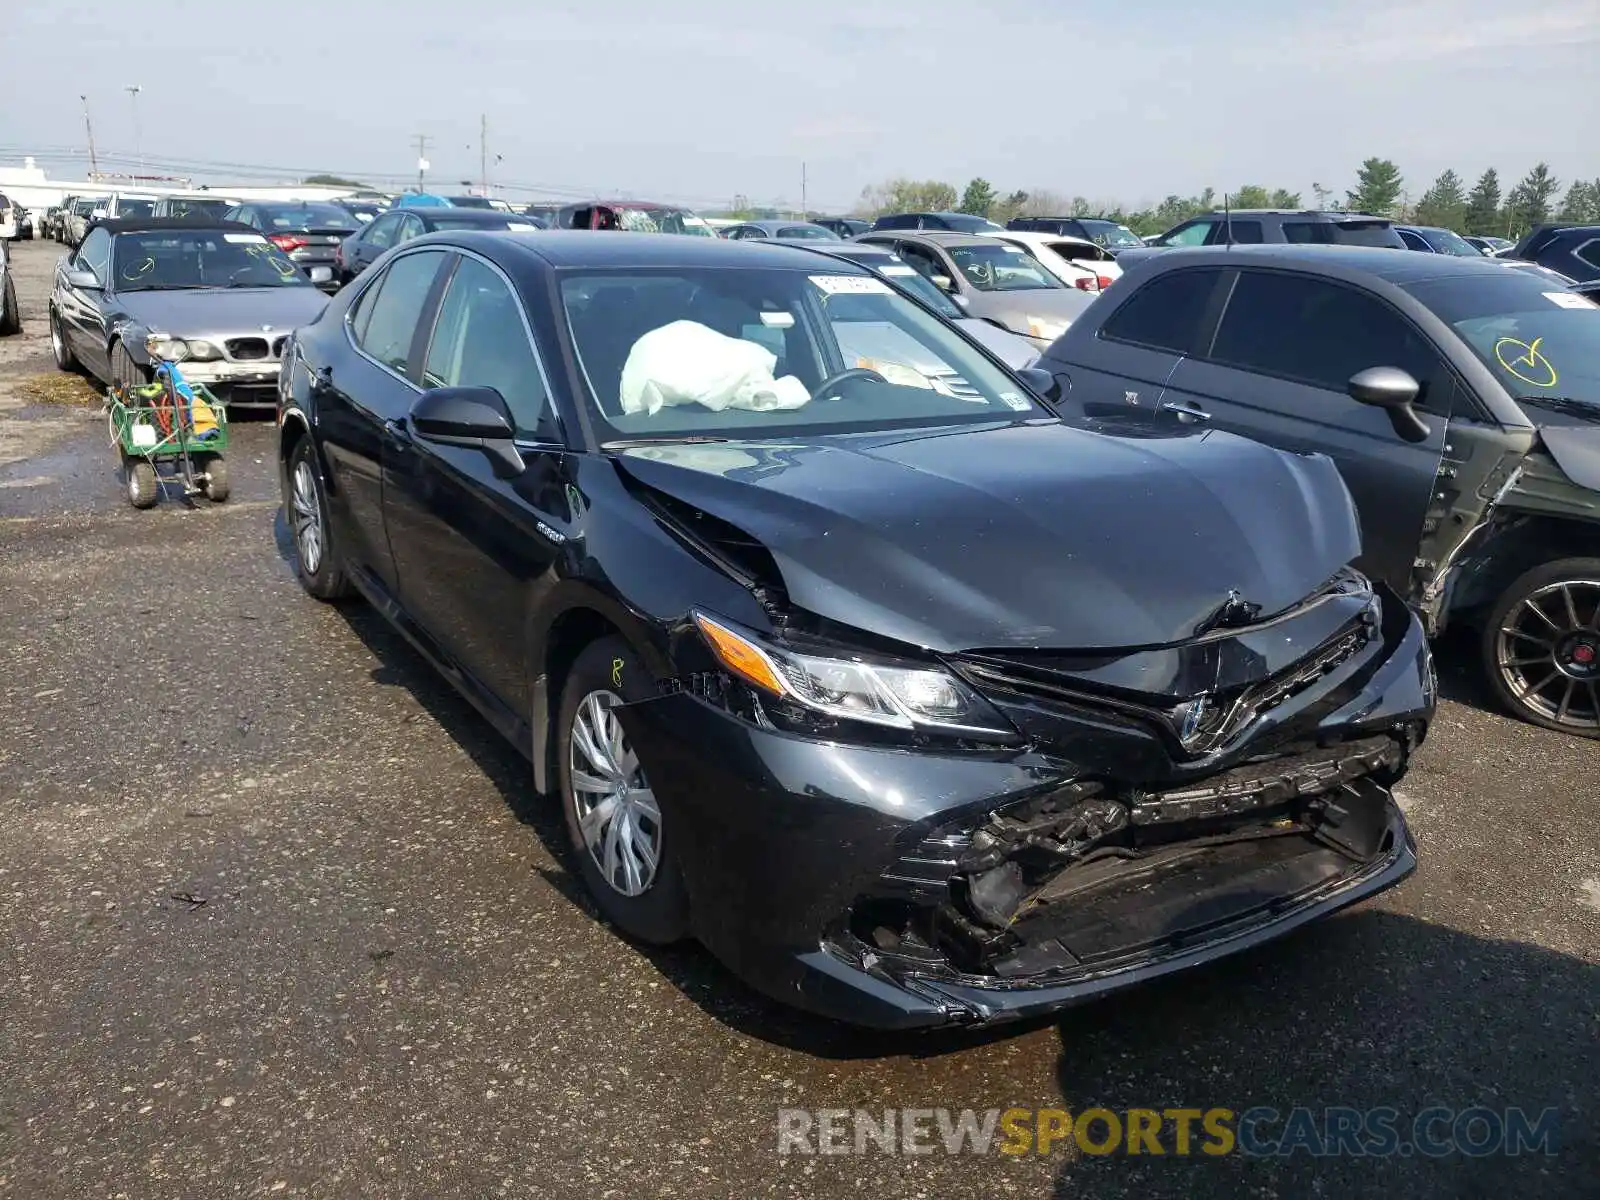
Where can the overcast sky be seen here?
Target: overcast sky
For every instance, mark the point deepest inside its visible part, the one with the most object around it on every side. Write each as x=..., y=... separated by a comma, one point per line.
x=699, y=101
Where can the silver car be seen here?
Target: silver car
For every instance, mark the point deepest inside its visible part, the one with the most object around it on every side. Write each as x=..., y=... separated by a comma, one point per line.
x=218, y=297
x=990, y=280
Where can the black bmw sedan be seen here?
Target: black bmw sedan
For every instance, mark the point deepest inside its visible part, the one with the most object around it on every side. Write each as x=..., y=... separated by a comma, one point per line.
x=842, y=653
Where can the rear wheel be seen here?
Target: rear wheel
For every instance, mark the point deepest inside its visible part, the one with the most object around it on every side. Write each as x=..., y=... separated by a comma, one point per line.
x=620, y=835
x=144, y=488
x=1541, y=646
x=10, y=314
x=317, y=561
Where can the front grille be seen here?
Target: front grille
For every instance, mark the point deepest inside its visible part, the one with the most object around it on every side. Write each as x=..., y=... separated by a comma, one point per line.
x=248, y=394
x=277, y=347
x=247, y=349
x=1200, y=723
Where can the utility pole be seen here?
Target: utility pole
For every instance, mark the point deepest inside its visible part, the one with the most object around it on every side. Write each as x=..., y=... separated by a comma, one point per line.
x=133, y=90
x=805, y=214
x=94, y=168
x=483, y=151
x=422, y=141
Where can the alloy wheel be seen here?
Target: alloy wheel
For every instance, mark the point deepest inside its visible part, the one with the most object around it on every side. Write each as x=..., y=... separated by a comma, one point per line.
x=618, y=817
x=1547, y=651
x=307, y=518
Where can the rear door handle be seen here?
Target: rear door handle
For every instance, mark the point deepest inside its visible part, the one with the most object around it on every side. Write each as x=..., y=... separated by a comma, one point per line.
x=1185, y=409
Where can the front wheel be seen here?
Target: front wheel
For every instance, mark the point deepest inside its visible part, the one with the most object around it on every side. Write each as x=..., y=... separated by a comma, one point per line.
x=66, y=360
x=125, y=373
x=1541, y=646
x=620, y=835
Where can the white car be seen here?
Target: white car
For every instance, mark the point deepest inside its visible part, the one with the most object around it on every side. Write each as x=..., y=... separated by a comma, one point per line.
x=1084, y=265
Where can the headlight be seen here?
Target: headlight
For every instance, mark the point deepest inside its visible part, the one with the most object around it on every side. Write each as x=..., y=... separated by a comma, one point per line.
x=901, y=696
x=167, y=349
x=1047, y=328
x=203, y=351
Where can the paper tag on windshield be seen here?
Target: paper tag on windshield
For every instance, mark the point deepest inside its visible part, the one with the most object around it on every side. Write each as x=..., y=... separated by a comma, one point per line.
x=897, y=270
x=852, y=285
x=1012, y=400
x=245, y=239
x=1569, y=300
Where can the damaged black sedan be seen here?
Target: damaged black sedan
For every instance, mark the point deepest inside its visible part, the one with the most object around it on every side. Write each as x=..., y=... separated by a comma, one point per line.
x=843, y=654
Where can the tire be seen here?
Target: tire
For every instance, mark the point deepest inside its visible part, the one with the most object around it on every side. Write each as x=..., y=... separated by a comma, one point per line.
x=10, y=314
x=66, y=360
x=1541, y=647
x=319, y=567
x=658, y=911
x=144, y=488
x=215, y=484
x=124, y=371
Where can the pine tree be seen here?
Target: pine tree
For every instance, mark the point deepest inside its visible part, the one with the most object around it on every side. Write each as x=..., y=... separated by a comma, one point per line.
x=1378, y=186
x=1445, y=203
x=1483, y=205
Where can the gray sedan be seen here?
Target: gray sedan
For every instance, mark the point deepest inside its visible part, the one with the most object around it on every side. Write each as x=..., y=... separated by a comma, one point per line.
x=216, y=296
x=990, y=280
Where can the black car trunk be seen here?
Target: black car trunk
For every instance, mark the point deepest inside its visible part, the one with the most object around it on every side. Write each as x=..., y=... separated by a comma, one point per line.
x=1094, y=877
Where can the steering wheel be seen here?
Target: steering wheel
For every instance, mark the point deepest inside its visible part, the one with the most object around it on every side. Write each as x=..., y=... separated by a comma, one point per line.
x=834, y=380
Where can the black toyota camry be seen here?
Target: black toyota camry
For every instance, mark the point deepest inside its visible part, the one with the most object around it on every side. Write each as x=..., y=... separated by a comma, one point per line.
x=841, y=653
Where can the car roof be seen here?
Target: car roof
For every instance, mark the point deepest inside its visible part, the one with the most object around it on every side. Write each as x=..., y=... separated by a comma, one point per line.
x=940, y=237
x=563, y=248
x=855, y=251
x=1396, y=266
x=151, y=224
x=489, y=216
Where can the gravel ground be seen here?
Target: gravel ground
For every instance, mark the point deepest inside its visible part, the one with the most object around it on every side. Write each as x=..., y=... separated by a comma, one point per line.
x=284, y=918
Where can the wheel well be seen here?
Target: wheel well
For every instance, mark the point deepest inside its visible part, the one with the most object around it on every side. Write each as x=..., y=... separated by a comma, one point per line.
x=570, y=634
x=293, y=431
x=1514, y=547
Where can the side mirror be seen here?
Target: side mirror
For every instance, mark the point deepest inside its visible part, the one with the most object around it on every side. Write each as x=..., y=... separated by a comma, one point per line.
x=83, y=280
x=1395, y=391
x=468, y=416
x=1040, y=382
x=99, y=214
x=943, y=282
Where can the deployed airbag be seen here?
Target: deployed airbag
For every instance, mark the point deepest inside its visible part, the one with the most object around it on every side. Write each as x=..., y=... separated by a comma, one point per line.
x=690, y=363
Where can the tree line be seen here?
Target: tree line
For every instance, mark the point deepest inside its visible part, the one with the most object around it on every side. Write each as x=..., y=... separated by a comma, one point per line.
x=1380, y=189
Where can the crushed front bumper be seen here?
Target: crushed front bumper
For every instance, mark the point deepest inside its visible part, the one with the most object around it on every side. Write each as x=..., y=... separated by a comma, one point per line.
x=791, y=848
x=238, y=385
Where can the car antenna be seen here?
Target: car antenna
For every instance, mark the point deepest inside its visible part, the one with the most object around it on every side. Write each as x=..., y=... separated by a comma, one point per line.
x=1227, y=219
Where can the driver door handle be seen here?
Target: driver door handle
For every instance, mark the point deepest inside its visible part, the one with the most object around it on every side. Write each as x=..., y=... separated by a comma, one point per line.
x=1185, y=408
x=397, y=434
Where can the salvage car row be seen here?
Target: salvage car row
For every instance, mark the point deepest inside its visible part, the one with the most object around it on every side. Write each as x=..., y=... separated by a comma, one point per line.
x=931, y=654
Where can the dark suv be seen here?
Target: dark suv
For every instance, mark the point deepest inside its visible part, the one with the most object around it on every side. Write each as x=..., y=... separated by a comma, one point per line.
x=1459, y=398
x=1250, y=226
x=1574, y=250
x=1102, y=231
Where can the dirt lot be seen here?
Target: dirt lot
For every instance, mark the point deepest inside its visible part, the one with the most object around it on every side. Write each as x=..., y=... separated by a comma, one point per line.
x=282, y=917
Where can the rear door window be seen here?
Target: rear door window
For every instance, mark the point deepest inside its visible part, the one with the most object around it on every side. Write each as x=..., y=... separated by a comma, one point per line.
x=1168, y=313
x=385, y=322
x=1318, y=332
x=1239, y=233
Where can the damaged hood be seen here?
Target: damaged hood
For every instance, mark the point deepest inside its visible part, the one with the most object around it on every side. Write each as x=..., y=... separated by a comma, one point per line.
x=1036, y=535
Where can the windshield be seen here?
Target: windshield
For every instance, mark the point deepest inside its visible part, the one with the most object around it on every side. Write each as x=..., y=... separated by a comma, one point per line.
x=650, y=219
x=1445, y=242
x=909, y=279
x=173, y=259
x=739, y=353
x=307, y=216
x=1001, y=268
x=1542, y=342
x=1109, y=233
x=814, y=233
x=136, y=206
x=470, y=202
x=507, y=221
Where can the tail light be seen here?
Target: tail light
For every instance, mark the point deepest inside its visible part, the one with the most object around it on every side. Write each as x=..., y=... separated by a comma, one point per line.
x=1088, y=283
x=1105, y=282
x=288, y=241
